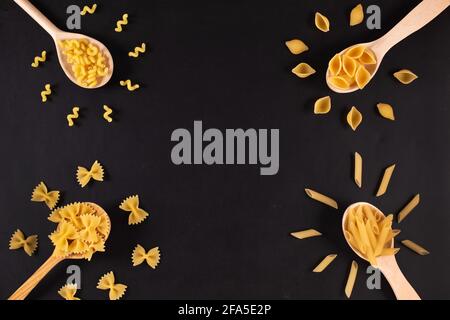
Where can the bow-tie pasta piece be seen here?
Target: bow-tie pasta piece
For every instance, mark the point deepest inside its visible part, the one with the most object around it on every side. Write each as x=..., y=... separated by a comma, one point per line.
x=107, y=282
x=322, y=22
x=18, y=241
x=41, y=194
x=405, y=76
x=68, y=292
x=84, y=175
x=60, y=238
x=152, y=257
x=386, y=111
x=354, y=118
x=357, y=15
x=303, y=70
x=137, y=215
x=323, y=105
x=296, y=46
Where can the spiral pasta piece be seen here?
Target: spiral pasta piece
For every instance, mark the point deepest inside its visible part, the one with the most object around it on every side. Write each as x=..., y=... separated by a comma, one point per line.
x=90, y=10
x=74, y=115
x=122, y=23
x=138, y=50
x=46, y=92
x=129, y=85
x=39, y=59
x=108, y=113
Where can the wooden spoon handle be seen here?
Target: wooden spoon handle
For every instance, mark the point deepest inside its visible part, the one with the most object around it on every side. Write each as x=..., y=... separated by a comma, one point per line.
x=38, y=16
x=420, y=16
x=34, y=280
x=399, y=284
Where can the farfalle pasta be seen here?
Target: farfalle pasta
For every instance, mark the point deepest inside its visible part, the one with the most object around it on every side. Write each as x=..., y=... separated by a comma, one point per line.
x=306, y=234
x=131, y=205
x=41, y=194
x=68, y=292
x=152, y=257
x=19, y=241
x=96, y=172
x=108, y=282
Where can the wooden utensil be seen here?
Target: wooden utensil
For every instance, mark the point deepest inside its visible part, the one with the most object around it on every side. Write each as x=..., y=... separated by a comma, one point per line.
x=59, y=35
x=386, y=264
x=420, y=16
x=53, y=261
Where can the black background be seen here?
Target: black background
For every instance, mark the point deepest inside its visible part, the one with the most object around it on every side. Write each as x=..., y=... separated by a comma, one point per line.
x=224, y=231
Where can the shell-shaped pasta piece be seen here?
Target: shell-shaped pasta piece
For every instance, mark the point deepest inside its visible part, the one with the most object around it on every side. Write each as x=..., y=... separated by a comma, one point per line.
x=335, y=65
x=296, y=46
x=323, y=105
x=355, y=52
x=405, y=76
x=339, y=82
x=349, y=65
x=303, y=70
x=357, y=15
x=368, y=57
x=386, y=111
x=322, y=22
x=362, y=77
x=354, y=118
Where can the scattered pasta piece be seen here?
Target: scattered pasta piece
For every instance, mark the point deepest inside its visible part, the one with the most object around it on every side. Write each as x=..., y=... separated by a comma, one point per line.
x=68, y=292
x=351, y=279
x=385, y=180
x=358, y=169
x=18, y=241
x=137, y=215
x=73, y=116
x=386, y=111
x=357, y=15
x=303, y=70
x=90, y=10
x=322, y=22
x=321, y=198
x=84, y=175
x=415, y=247
x=39, y=59
x=323, y=105
x=138, y=50
x=108, y=113
x=121, y=23
x=325, y=263
x=296, y=46
x=408, y=208
x=107, y=282
x=405, y=76
x=335, y=65
x=41, y=194
x=152, y=257
x=354, y=118
x=87, y=61
x=129, y=85
x=311, y=233
x=46, y=92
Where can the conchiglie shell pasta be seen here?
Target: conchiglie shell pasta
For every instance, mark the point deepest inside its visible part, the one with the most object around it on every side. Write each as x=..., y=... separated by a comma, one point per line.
x=322, y=22
x=323, y=105
x=405, y=76
x=386, y=111
x=296, y=46
x=355, y=52
x=368, y=57
x=303, y=70
x=349, y=65
x=339, y=82
x=354, y=118
x=335, y=65
x=362, y=77
x=357, y=15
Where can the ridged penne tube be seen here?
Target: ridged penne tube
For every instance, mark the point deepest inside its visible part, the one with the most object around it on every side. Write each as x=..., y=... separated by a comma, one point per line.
x=408, y=208
x=384, y=183
x=358, y=167
x=296, y=46
x=351, y=279
x=321, y=198
x=305, y=234
x=415, y=247
x=325, y=263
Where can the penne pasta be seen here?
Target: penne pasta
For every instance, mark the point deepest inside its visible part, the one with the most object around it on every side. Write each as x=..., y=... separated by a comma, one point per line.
x=389, y=251
x=408, y=208
x=351, y=279
x=321, y=198
x=325, y=263
x=415, y=247
x=385, y=180
x=358, y=169
x=310, y=233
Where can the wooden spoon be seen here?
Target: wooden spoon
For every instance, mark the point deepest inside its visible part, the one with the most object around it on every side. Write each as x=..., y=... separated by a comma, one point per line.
x=420, y=16
x=59, y=35
x=53, y=261
x=386, y=264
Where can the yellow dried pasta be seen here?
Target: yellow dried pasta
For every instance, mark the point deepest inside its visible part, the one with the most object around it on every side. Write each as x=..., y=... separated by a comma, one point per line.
x=130, y=86
x=107, y=114
x=325, y=263
x=152, y=257
x=39, y=59
x=385, y=181
x=321, y=198
x=138, y=50
x=68, y=292
x=351, y=279
x=46, y=93
x=405, y=76
x=357, y=15
x=107, y=282
x=409, y=208
x=386, y=111
x=322, y=22
x=354, y=118
x=415, y=247
x=358, y=167
x=335, y=65
x=96, y=172
x=137, y=215
x=303, y=70
x=296, y=46
x=19, y=241
x=305, y=234
x=73, y=116
x=322, y=105
x=41, y=194
x=121, y=23
x=90, y=10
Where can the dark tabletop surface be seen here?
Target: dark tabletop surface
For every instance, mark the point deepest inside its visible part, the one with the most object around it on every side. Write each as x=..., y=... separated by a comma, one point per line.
x=224, y=230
